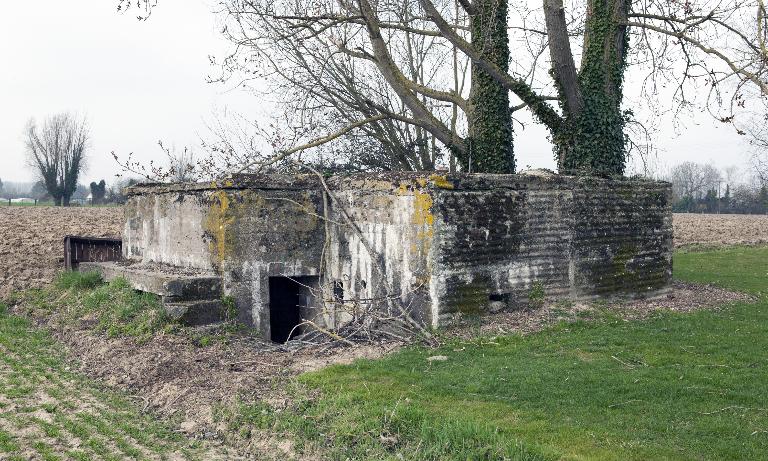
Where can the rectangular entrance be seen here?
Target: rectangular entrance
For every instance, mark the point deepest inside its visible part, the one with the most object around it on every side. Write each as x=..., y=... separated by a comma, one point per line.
x=290, y=300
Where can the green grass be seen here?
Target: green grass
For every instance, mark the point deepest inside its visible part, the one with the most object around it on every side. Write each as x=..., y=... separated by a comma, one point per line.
x=674, y=386
x=53, y=413
x=113, y=308
x=738, y=268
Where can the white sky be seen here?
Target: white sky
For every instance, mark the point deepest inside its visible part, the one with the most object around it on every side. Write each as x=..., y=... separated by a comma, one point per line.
x=139, y=82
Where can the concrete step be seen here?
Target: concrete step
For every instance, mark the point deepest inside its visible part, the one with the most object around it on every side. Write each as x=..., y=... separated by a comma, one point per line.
x=195, y=313
x=173, y=284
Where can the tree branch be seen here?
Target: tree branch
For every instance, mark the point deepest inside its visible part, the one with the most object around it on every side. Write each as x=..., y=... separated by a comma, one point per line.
x=763, y=86
x=543, y=111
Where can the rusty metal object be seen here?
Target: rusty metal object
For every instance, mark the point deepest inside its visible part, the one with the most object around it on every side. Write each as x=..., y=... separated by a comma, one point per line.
x=79, y=249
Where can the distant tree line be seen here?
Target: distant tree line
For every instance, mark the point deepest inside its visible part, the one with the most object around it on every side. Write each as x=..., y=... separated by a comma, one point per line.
x=98, y=193
x=702, y=188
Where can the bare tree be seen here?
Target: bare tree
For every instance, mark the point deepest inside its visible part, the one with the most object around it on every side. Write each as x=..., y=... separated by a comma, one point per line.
x=57, y=151
x=756, y=131
x=732, y=175
x=577, y=93
x=693, y=180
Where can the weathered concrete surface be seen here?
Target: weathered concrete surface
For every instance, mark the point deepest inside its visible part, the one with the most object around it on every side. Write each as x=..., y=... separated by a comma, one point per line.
x=153, y=279
x=200, y=312
x=442, y=244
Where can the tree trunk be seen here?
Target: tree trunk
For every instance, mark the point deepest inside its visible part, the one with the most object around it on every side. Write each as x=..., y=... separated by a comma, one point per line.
x=592, y=141
x=489, y=118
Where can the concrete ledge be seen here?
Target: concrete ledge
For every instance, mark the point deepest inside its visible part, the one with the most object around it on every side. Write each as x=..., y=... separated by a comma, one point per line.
x=169, y=282
x=388, y=181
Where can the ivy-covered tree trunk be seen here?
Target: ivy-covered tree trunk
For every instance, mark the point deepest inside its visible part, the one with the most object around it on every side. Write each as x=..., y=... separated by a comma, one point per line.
x=489, y=138
x=599, y=146
x=591, y=140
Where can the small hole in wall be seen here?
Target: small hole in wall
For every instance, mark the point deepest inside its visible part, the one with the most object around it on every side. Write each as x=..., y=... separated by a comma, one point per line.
x=498, y=297
x=363, y=284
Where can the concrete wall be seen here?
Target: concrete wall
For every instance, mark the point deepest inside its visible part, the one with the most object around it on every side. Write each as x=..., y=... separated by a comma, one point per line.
x=249, y=231
x=500, y=235
x=444, y=244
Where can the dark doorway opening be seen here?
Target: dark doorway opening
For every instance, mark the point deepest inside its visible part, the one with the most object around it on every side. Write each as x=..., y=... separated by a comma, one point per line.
x=290, y=300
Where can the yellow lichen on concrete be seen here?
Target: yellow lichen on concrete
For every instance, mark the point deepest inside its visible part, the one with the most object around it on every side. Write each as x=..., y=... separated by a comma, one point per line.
x=441, y=182
x=217, y=222
x=422, y=209
x=424, y=219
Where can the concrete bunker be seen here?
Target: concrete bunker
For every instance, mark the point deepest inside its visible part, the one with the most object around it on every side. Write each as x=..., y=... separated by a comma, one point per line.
x=444, y=245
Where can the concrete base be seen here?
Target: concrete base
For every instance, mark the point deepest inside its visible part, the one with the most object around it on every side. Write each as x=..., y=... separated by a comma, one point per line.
x=191, y=297
x=195, y=312
x=161, y=280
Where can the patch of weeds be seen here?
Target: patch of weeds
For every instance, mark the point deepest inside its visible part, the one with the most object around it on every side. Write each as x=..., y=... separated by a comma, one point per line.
x=113, y=308
x=45, y=451
x=564, y=303
x=50, y=430
x=70, y=280
x=203, y=340
x=229, y=309
x=7, y=444
x=536, y=295
x=78, y=455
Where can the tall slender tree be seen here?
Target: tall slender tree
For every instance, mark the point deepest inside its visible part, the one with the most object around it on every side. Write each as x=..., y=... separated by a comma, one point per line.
x=57, y=151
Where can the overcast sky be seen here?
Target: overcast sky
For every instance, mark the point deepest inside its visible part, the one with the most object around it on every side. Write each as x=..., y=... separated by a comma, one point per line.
x=140, y=82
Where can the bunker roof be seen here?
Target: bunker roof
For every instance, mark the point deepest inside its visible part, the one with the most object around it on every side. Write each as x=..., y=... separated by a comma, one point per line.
x=382, y=181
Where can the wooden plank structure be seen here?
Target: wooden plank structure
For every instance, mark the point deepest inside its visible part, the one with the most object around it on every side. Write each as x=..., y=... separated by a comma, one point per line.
x=79, y=249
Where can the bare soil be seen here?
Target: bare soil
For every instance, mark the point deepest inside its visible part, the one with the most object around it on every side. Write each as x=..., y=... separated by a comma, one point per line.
x=32, y=240
x=719, y=229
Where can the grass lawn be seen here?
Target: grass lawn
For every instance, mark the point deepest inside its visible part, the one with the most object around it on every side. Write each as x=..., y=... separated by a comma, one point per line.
x=738, y=268
x=675, y=386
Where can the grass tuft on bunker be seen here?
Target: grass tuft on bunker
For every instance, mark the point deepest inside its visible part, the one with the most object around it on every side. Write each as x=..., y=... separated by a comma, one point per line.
x=672, y=386
x=113, y=308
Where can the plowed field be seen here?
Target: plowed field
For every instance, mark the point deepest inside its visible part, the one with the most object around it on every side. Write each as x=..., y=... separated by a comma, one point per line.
x=32, y=240
x=720, y=229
